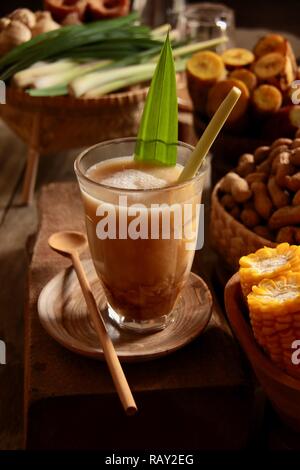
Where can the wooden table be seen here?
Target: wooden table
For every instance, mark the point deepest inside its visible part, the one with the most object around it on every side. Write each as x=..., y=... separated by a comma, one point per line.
x=68, y=396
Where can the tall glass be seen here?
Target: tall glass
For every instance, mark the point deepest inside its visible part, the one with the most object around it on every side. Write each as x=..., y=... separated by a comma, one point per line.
x=145, y=259
x=157, y=12
x=206, y=20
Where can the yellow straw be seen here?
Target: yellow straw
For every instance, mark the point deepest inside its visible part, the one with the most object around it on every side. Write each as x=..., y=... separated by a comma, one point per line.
x=209, y=135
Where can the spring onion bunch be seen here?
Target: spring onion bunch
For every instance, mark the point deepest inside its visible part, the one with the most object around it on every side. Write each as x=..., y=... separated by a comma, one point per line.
x=93, y=59
x=110, y=39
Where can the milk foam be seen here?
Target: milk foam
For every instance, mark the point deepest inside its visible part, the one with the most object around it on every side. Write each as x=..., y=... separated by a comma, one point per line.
x=134, y=179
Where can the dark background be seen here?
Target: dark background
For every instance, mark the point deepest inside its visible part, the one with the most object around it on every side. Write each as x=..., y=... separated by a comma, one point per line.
x=275, y=15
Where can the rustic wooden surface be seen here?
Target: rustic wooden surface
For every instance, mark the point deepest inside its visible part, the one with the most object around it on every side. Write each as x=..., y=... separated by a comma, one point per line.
x=16, y=225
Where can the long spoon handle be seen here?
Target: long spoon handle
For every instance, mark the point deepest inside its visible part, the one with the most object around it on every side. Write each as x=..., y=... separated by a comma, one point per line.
x=110, y=354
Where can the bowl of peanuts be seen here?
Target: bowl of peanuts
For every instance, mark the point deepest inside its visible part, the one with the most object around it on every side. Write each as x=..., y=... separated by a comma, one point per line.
x=258, y=203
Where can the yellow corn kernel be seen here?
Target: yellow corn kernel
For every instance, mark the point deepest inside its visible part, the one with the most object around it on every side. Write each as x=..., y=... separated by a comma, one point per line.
x=267, y=263
x=274, y=308
x=277, y=299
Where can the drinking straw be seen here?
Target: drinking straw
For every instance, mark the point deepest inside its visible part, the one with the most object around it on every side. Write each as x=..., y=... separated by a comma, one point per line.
x=209, y=135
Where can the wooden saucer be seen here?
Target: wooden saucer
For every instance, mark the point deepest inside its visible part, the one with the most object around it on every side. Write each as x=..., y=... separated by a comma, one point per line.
x=63, y=314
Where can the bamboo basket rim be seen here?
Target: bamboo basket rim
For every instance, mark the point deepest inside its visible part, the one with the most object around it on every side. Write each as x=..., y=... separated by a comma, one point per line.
x=239, y=226
x=19, y=98
x=246, y=337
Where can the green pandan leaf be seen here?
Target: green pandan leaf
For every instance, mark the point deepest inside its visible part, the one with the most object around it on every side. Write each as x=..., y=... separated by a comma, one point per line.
x=158, y=133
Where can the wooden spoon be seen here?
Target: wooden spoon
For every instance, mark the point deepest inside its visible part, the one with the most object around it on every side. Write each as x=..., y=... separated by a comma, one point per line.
x=72, y=244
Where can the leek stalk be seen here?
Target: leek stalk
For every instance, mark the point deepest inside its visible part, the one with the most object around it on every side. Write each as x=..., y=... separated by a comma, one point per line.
x=141, y=76
x=72, y=73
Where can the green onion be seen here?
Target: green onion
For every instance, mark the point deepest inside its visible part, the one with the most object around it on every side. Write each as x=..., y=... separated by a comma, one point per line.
x=118, y=84
x=83, y=84
x=142, y=76
x=59, y=90
x=64, y=78
x=56, y=44
x=41, y=69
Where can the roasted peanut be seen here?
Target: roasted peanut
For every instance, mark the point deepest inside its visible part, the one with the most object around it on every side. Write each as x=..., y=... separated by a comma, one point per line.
x=284, y=169
x=296, y=199
x=263, y=231
x=276, y=150
x=246, y=164
x=279, y=197
x=262, y=202
x=227, y=201
x=237, y=186
x=286, y=234
x=296, y=143
x=261, y=153
x=293, y=182
x=295, y=156
x=265, y=166
x=276, y=161
x=281, y=141
x=256, y=176
x=227, y=181
x=235, y=212
x=250, y=217
x=289, y=215
x=297, y=235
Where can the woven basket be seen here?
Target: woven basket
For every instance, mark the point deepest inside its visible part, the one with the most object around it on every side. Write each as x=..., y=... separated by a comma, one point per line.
x=51, y=124
x=66, y=122
x=230, y=238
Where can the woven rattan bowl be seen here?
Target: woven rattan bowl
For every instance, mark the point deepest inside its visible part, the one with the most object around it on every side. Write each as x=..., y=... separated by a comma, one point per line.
x=229, y=238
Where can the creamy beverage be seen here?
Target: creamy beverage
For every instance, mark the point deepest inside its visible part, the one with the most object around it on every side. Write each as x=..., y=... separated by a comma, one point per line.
x=141, y=237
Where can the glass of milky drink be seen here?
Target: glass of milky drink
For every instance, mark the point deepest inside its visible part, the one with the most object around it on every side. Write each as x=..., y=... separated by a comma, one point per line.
x=142, y=228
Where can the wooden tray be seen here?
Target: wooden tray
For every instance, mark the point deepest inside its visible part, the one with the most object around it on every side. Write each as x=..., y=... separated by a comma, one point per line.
x=282, y=389
x=64, y=316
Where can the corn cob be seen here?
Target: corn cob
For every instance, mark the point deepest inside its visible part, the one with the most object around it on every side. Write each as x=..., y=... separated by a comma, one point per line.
x=268, y=263
x=274, y=307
